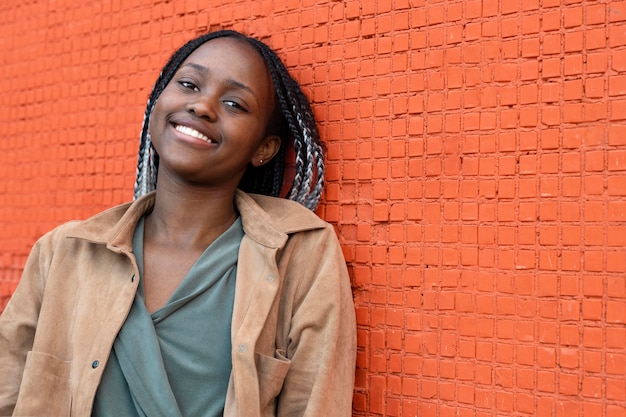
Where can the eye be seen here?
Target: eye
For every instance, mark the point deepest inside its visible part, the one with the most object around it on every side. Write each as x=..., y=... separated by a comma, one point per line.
x=235, y=105
x=189, y=85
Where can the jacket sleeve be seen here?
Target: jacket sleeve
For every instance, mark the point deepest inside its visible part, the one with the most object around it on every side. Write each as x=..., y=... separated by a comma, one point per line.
x=322, y=337
x=17, y=328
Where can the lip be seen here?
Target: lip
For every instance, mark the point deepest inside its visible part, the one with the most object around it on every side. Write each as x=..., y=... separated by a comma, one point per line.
x=199, y=127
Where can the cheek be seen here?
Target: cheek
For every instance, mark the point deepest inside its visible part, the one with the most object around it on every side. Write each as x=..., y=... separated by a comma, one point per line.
x=156, y=120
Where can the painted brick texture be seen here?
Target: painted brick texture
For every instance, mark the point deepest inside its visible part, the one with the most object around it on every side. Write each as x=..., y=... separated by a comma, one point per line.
x=476, y=175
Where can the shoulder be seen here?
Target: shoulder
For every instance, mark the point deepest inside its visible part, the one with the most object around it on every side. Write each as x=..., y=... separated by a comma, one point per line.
x=108, y=216
x=285, y=215
x=112, y=225
x=272, y=221
x=94, y=227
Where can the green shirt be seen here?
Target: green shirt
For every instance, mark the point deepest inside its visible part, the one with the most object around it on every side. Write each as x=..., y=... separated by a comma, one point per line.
x=177, y=360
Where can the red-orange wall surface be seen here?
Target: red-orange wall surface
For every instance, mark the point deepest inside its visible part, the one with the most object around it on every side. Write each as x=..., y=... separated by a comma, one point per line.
x=476, y=175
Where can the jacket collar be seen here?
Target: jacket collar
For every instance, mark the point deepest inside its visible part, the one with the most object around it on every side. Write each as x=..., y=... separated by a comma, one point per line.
x=266, y=220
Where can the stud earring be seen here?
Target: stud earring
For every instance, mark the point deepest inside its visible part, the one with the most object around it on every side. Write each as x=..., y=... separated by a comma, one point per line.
x=260, y=162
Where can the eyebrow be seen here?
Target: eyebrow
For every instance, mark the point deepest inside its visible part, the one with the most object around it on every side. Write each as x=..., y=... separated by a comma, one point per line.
x=229, y=81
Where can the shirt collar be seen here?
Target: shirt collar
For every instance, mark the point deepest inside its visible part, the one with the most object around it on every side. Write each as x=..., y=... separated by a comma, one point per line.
x=266, y=220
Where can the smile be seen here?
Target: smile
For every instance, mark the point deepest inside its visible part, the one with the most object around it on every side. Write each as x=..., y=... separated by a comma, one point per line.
x=193, y=133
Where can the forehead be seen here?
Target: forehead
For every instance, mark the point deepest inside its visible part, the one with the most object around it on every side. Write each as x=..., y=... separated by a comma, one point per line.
x=234, y=58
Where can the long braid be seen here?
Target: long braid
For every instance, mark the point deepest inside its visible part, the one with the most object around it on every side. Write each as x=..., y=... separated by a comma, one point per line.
x=285, y=97
x=296, y=127
x=297, y=111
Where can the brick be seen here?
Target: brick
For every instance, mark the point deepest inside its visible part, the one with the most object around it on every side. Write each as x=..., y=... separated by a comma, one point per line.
x=617, y=85
x=616, y=312
x=572, y=17
x=596, y=63
x=616, y=363
x=551, y=20
x=616, y=185
x=617, y=135
x=617, y=160
x=551, y=67
x=616, y=262
x=595, y=39
x=529, y=70
x=573, y=65
x=573, y=41
x=546, y=382
x=617, y=35
x=568, y=384
x=550, y=92
x=594, y=87
x=552, y=44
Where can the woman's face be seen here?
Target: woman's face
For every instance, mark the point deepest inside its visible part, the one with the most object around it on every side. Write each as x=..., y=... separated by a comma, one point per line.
x=210, y=121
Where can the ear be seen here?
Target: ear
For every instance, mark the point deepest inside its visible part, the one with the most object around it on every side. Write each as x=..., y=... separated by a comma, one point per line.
x=267, y=150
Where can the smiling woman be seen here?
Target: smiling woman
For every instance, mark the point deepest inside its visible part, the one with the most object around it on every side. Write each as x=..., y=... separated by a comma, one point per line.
x=208, y=295
x=209, y=124
x=291, y=119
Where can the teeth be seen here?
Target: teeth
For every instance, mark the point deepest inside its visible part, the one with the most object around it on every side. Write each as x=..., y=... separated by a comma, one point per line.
x=192, y=132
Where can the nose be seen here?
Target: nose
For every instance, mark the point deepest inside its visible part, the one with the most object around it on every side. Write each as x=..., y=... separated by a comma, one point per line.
x=203, y=107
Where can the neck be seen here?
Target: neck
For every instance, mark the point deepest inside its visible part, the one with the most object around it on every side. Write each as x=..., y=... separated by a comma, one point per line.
x=188, y=217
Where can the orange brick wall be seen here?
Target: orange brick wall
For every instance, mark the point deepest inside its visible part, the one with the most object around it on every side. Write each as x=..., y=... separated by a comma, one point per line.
x=476, y=175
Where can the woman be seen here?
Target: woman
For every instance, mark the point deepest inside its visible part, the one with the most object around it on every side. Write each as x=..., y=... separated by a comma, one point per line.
x=207, y=295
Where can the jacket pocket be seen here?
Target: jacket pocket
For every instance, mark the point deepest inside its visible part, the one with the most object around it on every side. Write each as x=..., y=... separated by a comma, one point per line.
x=45, y=388
x=272, y=373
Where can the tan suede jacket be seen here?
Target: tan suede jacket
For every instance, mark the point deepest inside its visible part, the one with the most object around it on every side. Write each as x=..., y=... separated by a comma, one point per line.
x=293, y=325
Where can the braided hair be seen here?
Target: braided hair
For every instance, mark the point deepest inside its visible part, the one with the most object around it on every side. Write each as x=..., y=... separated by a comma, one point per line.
x=292, y=120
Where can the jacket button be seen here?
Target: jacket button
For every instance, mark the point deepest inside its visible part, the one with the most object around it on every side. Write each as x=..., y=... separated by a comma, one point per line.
x=242, y=348
x=95, y=364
